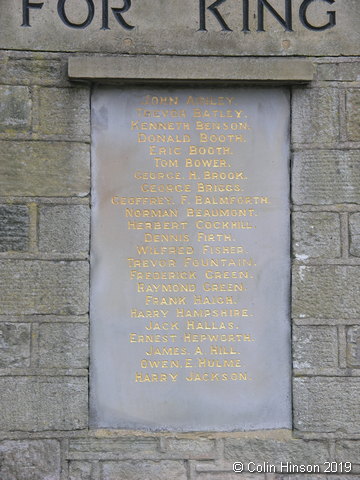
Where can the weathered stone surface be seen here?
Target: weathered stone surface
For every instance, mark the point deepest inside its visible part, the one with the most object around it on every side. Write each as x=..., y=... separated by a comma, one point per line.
x=315, y=115
x=13, y=318
x=28, y=68
x=315, y=347
x=141, y=447
x=63, y=345
x=342, y=71
x=316, y=235
x=327, y=404
x=201, y=448
x=353, y=114
x=128, y=447
x=15, y=109
x=44, y=168
x=62, y=169
x=160, y=470
x=172, y=27
x=325, y=292
x=30, y=460
x=354, y=224
x=326, y=177
x=274, y=451
x=43, y=287
x=43, y=403
x=14, y=345
x=228, y=476
x=348, y=451
x=64, y=228
x=64, y=111
x=315, y=476
x=355, y=471
x=309, y=476
x=14, y=231
x=353, y=346
x=326, y=71
x=80, y=471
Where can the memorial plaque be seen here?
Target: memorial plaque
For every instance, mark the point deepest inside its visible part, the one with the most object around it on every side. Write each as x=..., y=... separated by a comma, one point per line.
x=190, y=259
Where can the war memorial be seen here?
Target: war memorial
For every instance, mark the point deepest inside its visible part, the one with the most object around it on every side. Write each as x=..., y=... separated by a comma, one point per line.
x=179, y=239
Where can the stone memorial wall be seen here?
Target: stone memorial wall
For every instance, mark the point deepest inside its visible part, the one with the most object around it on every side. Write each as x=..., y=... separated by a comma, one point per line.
x=80, y=398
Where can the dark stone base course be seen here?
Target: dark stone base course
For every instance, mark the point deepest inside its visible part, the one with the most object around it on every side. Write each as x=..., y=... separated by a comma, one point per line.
x=173, y=458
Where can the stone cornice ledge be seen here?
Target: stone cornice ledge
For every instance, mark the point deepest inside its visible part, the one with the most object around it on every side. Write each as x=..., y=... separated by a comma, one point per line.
x=179, y=69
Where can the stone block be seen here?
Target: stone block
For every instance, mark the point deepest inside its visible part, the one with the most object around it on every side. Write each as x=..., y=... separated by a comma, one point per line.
x=353, y=346
x=327, y=71
x=315, y=347
x=63, y=345
x=15, y=109
x=43, y=403
x=327, y=404
x=64, y=229
x=348, y=451
x=64, y=111
x=342, y=71
x=13, y=318
x=80, y=471
x=348, y=71
x=353, y=114
x=30, y=460
x=14, y=345
x=43, y=287
x=325, y=291
x=128, y=447
x=44, y=169
x=316, y=235
x=28, y=68
x=354, y=225
x=201, y=448
x=14, y=232
x=154, y=470
x=326, y=177
x=274, y=451
x=315, y=114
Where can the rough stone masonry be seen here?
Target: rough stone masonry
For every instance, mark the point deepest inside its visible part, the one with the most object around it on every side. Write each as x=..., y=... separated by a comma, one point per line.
x=45, y=224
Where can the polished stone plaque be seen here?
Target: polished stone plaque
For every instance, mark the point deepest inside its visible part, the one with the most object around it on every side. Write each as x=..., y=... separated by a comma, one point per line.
x=190, y=259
